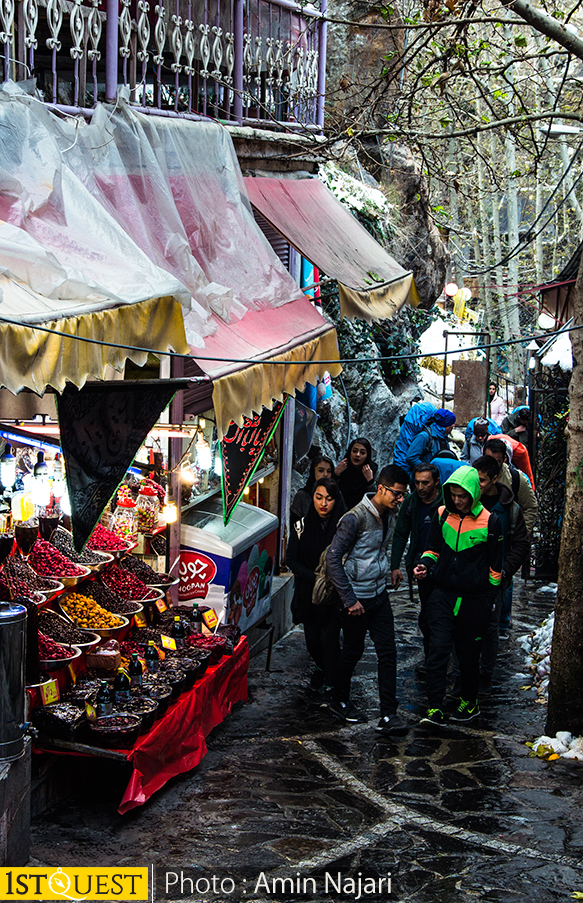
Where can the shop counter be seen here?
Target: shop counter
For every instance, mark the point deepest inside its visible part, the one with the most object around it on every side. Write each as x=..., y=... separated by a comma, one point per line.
x=176, y=742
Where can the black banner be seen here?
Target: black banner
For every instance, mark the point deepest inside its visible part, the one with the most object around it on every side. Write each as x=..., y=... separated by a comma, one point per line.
x=102, y=429
x=241, y=451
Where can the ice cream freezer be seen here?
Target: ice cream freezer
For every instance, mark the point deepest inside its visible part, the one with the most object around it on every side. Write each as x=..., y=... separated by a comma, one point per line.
x=233, y=563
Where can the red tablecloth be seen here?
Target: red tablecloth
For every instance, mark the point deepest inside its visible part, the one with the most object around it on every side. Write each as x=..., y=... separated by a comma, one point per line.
x=176, y=743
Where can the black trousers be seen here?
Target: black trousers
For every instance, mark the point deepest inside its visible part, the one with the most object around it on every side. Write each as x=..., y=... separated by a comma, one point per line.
x=322, y=636
x=462, y=627
x=378, y=621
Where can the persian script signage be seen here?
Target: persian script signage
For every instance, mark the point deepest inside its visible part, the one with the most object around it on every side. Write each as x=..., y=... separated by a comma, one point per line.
x=241, y=451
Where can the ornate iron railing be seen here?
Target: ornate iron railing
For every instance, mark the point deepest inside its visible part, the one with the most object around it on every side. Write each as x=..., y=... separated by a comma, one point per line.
x=249, y=61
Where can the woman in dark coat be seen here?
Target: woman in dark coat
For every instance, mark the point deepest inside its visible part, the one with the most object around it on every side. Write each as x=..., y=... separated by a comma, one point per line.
x=309, y=536
x=356, y=472
x=320, y=468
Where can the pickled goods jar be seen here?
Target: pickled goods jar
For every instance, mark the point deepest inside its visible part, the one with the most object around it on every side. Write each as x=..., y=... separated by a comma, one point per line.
x=147, y=507
x=125, y=520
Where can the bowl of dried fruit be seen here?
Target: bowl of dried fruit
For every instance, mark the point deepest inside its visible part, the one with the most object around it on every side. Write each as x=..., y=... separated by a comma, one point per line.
x=118, y=731
x=88, y=615
x=53, y=656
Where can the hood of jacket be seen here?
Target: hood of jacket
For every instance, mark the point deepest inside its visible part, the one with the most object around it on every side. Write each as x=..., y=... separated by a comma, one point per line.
x=466, y=478
x=437, y=431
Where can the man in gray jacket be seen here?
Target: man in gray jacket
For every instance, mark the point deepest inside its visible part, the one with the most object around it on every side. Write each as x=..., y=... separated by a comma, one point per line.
x=358, y=566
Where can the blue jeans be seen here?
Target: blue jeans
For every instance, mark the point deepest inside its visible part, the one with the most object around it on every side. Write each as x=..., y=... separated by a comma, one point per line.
x=506, y=610
x=378, y=621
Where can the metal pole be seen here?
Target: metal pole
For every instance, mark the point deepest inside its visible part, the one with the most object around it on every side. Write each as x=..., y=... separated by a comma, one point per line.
x=238, y=70
x=487, y=399
x=445, y=336
x=111, y=51
x=287, y=449
x=322, y=40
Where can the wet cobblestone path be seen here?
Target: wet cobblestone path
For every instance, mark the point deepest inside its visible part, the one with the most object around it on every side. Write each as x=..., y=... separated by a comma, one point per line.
x=290, y=805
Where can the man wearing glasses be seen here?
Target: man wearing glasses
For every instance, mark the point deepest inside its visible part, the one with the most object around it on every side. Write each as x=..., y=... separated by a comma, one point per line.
x=358, y=566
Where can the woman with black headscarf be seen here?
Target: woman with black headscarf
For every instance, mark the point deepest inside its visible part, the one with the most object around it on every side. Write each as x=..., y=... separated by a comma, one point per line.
x=309, y=536
x=356, y=472
x=321, y=468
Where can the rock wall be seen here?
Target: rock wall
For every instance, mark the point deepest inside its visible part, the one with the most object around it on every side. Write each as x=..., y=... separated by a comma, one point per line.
x=375, y=413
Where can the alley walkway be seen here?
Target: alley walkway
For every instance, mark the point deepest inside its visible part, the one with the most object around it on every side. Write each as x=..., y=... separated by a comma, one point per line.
x=289, y=805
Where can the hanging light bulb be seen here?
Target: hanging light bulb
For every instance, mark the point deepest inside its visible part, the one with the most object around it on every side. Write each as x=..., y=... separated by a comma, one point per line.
x=218, y=466
x=7, y=468
x=187, y=474
x=170, y=510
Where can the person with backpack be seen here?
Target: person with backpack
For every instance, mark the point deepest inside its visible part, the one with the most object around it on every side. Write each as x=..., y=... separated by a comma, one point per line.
x=464, y=558
x=523, y=493
x=476, y=434
x=309, y=537
x=500, y=500
x=356, y=471
x=412, y=526
x=432, y=439
x=358, y=566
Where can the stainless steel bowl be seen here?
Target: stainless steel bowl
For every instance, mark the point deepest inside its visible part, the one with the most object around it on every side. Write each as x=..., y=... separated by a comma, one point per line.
x=73, y=581
x=103, y=632
x=100, y=565
x=55, y=664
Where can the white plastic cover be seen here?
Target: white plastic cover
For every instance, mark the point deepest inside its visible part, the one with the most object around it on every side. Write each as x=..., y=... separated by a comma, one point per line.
x=125, y=208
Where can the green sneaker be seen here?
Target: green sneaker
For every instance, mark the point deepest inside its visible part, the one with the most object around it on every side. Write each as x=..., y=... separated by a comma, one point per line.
x=434, y=717
x=465, y=711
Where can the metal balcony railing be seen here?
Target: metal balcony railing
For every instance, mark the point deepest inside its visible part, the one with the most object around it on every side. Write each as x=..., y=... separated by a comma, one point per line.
x=255, y=62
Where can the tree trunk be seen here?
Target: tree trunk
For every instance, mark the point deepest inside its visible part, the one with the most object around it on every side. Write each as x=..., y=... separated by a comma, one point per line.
x=565, y=712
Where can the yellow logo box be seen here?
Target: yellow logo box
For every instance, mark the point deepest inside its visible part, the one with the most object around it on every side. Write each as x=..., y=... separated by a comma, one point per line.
x=76, y=884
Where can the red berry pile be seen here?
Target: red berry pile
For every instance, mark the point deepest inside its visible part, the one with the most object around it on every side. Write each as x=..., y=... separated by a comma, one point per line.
x=103, y=540
x=49, y=562
x=125, y=584
x=48, y=650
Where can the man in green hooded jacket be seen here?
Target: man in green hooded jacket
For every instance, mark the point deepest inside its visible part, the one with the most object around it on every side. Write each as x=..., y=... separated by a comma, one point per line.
x=463, y=555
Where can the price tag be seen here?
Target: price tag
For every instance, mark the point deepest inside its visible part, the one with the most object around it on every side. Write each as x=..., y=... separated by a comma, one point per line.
x=161, y=606
x=140, y=619
x=72, y=672
x=91, y=712
x=210, y=618
x=49, y=692
x=168, y=642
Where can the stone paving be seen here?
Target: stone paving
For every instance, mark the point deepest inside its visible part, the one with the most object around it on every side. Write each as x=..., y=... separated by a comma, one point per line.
x=289, y=805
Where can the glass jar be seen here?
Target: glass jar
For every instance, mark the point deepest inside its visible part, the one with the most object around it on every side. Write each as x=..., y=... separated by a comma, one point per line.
x=125, y=520
x=148, y=509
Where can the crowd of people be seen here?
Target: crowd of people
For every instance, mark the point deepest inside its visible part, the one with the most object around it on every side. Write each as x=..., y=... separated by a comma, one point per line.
x=464, y=526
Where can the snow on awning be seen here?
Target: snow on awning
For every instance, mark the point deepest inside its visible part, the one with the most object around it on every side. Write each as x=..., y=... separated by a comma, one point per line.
x=372, y=285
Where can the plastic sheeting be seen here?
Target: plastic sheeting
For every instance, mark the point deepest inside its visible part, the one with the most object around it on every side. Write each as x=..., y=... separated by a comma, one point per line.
x=125, y=209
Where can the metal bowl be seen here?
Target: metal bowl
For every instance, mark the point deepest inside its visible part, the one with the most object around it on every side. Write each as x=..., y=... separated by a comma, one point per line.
x=103, y=632
x=73, y=581
x=167, y=585
x=53, y=591
x=54, y=664
x=100, y=565
x=118, y=553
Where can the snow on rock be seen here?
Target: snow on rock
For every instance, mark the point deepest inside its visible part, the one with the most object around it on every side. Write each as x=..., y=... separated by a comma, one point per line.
x=563, y=746
x=538, y=646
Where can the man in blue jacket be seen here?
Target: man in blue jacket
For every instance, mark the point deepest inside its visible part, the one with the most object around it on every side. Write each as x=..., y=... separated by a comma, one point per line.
x=432, y=439
x=358, y=565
